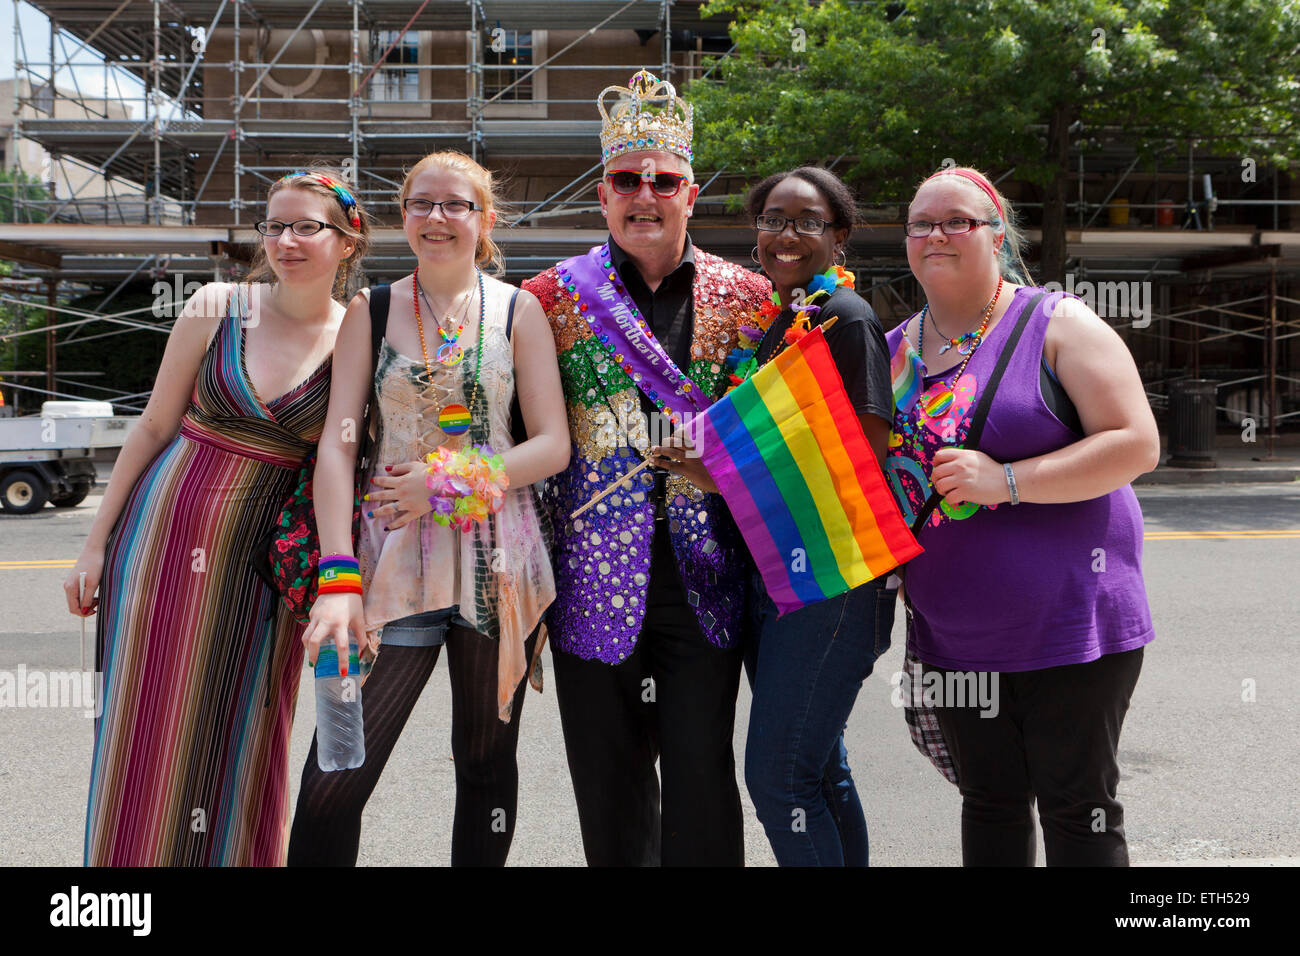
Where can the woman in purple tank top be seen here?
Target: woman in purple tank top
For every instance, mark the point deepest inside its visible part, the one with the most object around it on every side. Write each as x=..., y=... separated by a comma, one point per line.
x=1028, y=610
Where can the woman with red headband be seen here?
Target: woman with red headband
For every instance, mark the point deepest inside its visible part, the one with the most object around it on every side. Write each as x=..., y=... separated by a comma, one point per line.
x=1019, y=422
x=200, y=660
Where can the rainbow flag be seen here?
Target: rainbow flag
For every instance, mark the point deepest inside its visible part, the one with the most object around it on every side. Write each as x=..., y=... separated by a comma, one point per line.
x=788, y=454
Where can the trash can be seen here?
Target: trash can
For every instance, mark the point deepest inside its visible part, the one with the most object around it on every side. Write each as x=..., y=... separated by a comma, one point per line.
x=1191, y=423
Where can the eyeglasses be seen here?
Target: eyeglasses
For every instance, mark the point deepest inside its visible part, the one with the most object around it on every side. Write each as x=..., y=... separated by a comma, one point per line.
x=920, y=228
x=300, y=227
x=628, y=181
x=804, y=225
x=451, y=208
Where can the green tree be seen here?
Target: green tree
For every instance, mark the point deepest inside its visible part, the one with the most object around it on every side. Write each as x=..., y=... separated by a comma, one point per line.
x=16, y=186
x=895, y=88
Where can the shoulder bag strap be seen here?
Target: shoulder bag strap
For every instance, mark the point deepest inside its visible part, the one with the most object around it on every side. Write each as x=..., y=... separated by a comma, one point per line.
x=985, y=402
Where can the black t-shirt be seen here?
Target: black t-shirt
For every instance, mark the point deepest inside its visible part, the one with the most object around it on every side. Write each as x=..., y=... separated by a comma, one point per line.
x=857, y=343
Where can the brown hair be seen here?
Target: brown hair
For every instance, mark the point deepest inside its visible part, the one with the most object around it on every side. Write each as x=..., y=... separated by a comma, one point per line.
x=486, y=190
x=349, y=271
x=1010, y=263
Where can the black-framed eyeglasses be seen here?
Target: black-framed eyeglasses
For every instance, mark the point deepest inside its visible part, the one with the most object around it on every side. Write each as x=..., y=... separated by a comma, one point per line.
x=628, y=181
x=959, y=226
x=451, y=208
x=804, y=225
x=300, y=227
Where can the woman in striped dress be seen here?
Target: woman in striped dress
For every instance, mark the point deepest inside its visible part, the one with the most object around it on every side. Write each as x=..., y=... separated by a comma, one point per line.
x=200, y=660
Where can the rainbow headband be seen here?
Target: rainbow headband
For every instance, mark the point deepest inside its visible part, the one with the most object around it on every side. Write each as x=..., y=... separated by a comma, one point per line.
x=978, y=180
x=345, y=197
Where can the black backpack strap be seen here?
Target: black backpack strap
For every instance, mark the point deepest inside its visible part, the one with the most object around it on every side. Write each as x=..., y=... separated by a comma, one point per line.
x=510, y=314
x=380, y=299
x=518, y=431
x=985, y=402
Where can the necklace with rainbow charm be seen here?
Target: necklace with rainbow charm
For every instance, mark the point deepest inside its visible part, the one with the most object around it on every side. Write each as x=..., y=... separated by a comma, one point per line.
x=449, y=354
x=742, y=362
x=942, y=400
x=453, y=418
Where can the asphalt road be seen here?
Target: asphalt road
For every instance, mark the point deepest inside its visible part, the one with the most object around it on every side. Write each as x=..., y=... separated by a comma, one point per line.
x=1209, y=768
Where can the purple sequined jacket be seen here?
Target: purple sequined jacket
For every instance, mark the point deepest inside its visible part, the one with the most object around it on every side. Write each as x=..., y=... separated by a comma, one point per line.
x=602, y=559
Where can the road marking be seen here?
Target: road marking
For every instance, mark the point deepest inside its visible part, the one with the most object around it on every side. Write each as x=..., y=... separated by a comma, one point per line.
x=1261, y=535
x=22, y=565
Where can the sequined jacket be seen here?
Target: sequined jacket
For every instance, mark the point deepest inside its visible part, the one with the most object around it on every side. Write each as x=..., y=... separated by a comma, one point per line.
x=602, y=559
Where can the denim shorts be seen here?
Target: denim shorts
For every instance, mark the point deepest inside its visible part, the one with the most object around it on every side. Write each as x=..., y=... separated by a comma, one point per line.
x=427, y=629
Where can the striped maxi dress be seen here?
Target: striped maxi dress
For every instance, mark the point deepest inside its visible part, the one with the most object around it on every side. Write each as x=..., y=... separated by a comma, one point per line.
x=200, y=659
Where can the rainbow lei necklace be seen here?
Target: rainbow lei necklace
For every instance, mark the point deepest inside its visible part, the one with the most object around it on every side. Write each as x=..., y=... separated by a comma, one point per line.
x=741, y=363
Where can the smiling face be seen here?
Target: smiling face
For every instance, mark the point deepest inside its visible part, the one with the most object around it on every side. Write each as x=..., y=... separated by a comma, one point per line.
x=295, y=258
x=789, y=258
x=435, y=238
x=944, y=260
x=644, y=222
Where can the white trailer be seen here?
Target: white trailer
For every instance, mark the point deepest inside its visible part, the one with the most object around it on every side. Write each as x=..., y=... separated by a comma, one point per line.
x=50, y=456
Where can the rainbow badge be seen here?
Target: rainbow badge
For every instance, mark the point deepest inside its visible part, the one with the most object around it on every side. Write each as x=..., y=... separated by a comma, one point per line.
x=454, y=419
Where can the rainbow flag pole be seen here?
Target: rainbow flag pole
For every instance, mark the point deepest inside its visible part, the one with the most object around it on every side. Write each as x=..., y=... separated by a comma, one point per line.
x=788, y=454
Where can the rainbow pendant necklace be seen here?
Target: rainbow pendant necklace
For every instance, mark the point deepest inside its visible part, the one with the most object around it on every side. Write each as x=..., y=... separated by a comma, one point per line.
x=935, y=405
x=453, y=418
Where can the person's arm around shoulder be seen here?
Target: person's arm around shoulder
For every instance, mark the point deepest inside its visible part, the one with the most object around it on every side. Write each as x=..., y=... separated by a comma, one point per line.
x=332, y=615
x=1120, y=440
x=158, y=425
x=541, y=398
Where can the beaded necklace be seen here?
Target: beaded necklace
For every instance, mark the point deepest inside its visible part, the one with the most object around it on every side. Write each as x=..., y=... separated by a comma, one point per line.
x=742, y=362
x=449, y=353
x=939, y=403
x=453, y=418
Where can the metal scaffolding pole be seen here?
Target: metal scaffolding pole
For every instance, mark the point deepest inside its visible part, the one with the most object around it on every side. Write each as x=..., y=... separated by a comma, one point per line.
x=155, y=98
x=237, y=133
x=354, y=101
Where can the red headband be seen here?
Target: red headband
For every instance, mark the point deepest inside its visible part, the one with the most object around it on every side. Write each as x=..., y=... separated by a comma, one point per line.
x=978, y=180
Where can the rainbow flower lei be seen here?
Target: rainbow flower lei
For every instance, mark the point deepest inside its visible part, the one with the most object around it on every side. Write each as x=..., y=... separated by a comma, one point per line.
x=468, y=485
x=741, y=363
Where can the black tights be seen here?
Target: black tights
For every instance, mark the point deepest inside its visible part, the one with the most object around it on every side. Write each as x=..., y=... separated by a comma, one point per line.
x=327, y=822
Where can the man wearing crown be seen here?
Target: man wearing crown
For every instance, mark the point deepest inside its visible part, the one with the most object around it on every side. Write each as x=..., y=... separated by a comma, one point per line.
x=648, y=620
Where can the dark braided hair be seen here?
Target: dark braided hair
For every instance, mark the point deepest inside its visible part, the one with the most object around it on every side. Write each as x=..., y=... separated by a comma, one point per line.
x=837, y=195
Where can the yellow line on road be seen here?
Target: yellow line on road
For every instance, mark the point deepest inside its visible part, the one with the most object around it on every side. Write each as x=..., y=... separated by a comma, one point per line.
x=21, y=565
x=1220, y=535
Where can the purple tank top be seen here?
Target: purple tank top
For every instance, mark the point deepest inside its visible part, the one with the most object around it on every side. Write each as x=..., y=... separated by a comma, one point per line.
x=1002, y=588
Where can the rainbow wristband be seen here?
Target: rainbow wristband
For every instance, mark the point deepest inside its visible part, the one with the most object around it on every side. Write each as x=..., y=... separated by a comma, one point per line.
x=339, y=574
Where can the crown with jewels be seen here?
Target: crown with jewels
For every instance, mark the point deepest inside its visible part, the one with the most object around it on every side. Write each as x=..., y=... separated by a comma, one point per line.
x=648, y=114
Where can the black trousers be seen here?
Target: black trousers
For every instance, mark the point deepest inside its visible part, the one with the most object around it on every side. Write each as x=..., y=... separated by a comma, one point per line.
x=673, y=699
x=1054, y=738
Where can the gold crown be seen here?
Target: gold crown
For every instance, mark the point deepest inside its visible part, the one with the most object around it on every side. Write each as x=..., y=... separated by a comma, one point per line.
x=648, y=114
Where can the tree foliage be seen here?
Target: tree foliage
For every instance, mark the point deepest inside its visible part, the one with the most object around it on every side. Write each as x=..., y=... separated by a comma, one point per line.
x=895, y=88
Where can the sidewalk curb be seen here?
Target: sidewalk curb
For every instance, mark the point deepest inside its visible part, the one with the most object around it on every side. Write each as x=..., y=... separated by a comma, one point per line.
x=1166, y=475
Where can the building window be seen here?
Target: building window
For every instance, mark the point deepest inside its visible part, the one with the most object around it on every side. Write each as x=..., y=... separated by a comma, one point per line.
x=517, y=52
x=398, y=78
x=505, y=65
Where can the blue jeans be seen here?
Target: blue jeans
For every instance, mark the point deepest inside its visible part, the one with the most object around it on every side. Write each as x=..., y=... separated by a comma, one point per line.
x=427, y=629
x=805, y=670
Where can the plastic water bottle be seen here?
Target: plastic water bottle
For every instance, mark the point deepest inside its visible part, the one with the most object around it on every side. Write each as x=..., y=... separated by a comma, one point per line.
x=340, y=736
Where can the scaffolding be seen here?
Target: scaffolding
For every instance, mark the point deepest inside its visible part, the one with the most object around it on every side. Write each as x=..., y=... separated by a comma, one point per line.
x=215, y=99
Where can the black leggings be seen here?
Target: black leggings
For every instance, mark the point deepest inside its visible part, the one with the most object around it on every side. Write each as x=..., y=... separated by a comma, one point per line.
x=327, y=822
x=1054, y=739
